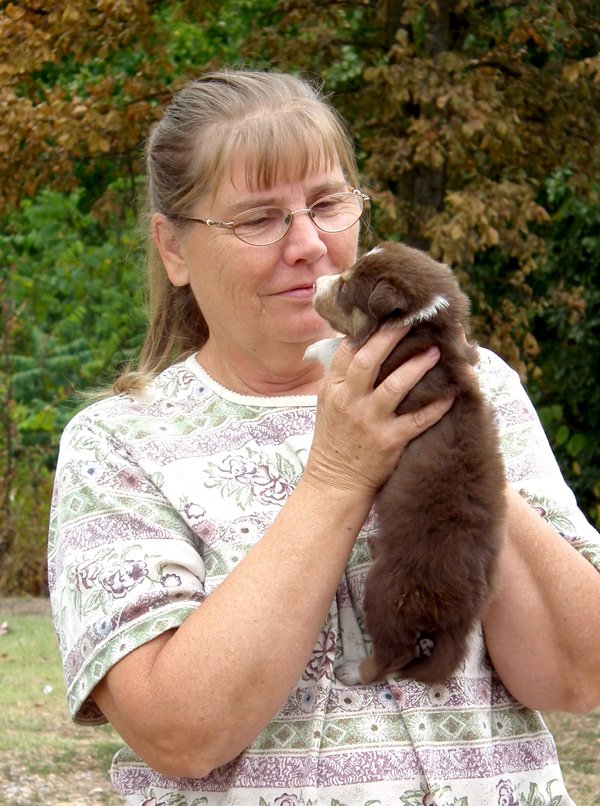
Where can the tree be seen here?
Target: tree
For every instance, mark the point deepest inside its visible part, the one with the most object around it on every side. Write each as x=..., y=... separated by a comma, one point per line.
x=80, y=84
x=476, y=126
x=464, y=114
x=81, y=81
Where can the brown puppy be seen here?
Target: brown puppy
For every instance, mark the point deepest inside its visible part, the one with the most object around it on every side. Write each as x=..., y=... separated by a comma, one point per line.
x=441, y=511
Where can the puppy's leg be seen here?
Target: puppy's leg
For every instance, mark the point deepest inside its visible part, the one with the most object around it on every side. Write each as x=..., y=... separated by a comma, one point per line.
x=349, y=673
x=438, y=656
x=323, y=351
x=354, y=672
x=371, y=668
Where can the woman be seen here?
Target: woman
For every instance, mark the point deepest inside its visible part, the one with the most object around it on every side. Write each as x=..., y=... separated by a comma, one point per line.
x=209, y=530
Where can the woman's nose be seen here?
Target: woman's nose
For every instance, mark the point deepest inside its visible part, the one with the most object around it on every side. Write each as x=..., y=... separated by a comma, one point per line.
x=303, y=239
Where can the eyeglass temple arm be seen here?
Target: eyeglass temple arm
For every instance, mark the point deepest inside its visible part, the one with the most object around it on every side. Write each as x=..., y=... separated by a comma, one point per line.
x=208, y=221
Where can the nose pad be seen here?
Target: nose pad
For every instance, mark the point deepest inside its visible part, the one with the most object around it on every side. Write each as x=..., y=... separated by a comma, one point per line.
x=298, y=214
x=302, y=219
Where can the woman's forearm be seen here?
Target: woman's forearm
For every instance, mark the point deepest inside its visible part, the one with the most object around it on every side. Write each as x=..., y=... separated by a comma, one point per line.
x=542, y=627
x=218, y=681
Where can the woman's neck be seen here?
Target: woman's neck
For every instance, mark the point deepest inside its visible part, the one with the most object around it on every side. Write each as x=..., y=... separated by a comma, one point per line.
x=274, y=375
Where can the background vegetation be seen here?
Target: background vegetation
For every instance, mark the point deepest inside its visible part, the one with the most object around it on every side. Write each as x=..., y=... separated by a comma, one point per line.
x=46, y=759
x=49, y=761
x=477, y=127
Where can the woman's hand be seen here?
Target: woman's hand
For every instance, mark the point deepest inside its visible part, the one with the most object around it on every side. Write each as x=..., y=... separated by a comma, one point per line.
x=358, y=437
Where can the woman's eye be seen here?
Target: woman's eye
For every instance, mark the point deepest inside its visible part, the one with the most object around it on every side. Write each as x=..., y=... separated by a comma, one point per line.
x=262, y=218
x=325, y=205
x=255, y=222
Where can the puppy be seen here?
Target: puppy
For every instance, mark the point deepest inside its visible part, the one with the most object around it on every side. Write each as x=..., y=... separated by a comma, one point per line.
x=441, y=512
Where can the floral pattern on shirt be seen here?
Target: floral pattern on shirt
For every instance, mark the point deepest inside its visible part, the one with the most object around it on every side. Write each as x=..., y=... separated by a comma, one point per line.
x=158, y=498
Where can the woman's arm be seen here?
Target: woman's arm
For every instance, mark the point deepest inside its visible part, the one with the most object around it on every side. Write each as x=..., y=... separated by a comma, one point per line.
x=193, y=699
x=543, y=627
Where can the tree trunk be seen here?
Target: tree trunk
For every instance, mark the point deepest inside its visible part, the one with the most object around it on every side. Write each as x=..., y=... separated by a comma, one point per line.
x=424, y=186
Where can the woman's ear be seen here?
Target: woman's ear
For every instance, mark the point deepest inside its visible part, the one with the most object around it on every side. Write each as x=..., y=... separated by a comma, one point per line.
x=168, y=242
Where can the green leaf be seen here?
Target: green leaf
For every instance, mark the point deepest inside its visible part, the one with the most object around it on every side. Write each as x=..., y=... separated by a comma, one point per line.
x=562, y=435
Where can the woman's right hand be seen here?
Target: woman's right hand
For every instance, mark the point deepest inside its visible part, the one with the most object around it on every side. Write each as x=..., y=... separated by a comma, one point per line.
x=358, y=436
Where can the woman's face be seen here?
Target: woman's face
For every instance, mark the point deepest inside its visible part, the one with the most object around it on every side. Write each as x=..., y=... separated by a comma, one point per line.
x=259, y=297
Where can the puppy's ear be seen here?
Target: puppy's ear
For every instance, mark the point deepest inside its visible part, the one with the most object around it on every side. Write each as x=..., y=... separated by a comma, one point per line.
x=386, y=298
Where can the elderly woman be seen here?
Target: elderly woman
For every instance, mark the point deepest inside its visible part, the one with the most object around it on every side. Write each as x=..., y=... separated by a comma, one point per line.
x=208, y=544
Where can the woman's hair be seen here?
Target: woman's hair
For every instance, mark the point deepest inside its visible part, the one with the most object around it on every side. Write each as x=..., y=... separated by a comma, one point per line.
x=280, y=125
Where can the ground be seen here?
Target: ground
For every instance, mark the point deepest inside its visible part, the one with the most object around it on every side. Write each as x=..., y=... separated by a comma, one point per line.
x=51, y=762
x=44, y=759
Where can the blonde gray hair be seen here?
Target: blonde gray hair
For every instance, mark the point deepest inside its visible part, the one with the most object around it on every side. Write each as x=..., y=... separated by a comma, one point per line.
x=283, y=128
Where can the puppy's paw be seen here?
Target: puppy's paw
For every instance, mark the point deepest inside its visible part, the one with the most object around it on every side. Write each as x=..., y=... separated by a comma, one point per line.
x=348, y=672
x=425, y=646
x=323, y=351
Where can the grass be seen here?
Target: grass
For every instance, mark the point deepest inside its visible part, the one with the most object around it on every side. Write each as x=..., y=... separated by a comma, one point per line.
x=35, y=723
x=38, y=739
x=578, y=742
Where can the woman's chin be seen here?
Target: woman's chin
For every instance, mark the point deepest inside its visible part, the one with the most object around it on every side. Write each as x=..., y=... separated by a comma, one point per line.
x=310, y=329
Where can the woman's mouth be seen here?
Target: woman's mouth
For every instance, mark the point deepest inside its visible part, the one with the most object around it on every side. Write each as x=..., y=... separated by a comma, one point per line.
x=301, y=292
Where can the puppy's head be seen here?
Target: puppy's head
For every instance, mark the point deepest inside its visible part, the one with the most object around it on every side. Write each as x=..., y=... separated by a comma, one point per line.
x=392, y=282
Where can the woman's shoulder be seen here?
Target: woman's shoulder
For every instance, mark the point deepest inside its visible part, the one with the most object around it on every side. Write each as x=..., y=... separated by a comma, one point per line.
x=175, y=389
x=489, y=361
x=497, y=379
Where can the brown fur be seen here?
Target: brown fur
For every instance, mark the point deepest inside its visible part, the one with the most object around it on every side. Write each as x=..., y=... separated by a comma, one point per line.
x=441, y=512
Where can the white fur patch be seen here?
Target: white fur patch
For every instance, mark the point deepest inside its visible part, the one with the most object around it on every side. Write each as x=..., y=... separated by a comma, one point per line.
x=323, y=351
x=376, y=250
x=438, y=304
x=324, y=283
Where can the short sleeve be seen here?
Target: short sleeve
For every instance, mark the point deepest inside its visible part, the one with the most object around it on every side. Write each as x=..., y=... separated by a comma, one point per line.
x=123, y=567
x=530, y=464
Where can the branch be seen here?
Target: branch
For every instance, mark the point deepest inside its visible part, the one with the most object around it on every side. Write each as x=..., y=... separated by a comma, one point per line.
x=513, y=72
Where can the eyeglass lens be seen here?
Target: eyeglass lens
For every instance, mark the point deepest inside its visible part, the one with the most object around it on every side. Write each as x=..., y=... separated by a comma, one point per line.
x=265, y=225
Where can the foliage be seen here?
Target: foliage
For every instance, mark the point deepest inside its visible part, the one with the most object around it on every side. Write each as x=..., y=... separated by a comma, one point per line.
x=75, y=283
x=81, y=81
x=476, y=126
x=566, y=328
x=71, y=313
x=23, y=568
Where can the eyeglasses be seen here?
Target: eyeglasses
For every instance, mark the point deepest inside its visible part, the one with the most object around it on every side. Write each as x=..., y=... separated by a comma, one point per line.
x=262, y=226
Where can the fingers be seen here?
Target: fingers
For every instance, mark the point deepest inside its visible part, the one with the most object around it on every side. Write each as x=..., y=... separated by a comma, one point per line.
x=355, y=371
x=358, y=435
x=397, y=385
x=415, y=422
x=360, y=367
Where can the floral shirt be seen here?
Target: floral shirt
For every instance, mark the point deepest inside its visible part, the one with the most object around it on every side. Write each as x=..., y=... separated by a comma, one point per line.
x=159, y=496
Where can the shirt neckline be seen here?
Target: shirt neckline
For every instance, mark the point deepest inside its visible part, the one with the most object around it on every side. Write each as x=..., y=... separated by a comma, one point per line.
x=269, y=401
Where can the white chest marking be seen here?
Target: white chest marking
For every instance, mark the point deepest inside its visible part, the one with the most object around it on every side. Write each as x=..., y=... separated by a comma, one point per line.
x=438, y=304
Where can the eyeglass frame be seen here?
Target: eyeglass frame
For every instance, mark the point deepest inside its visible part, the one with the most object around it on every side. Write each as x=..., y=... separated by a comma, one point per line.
x=210, y=222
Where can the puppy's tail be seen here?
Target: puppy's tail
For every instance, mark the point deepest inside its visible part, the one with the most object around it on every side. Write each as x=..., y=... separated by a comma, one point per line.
x=438, y=656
